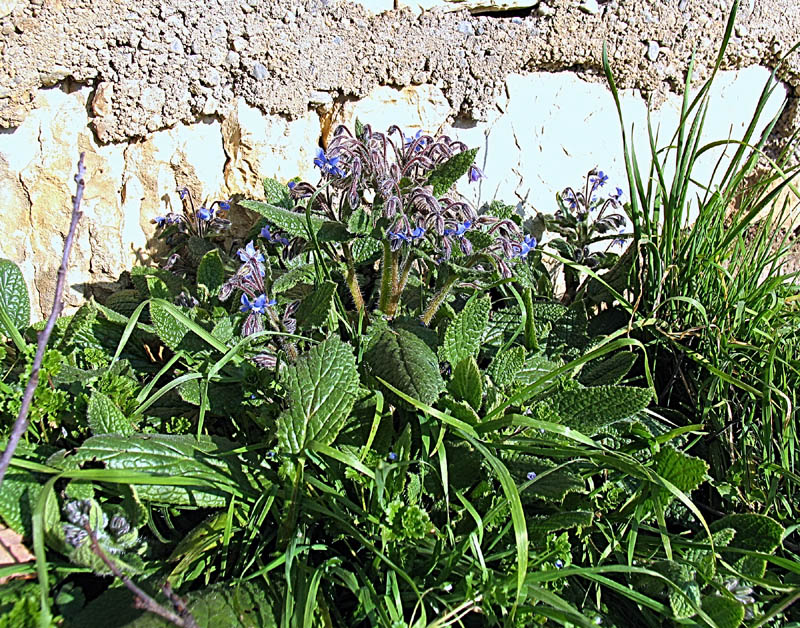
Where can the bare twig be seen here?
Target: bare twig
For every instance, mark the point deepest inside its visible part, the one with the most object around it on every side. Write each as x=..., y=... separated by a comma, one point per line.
x=182, y=618
x=21, y=424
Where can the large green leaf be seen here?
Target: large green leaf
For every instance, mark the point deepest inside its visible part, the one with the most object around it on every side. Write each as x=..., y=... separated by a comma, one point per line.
x=505, y=366
x=684, y=471
x=223, y=605
x=165, y=456
x=445, y=175
x=462, y=338
x=322, y=387
x=407, y=363
x=104, y=417
x=754, y=532
x=294, y=223
x=317, y=306
x=20, y=489
x=14, y=297
x=725, y=611
x=211, y=271
x=588, y=410
x=467, y=383
x=607, y=370
x=303, y=273
x=169, y=329
x=277, y=194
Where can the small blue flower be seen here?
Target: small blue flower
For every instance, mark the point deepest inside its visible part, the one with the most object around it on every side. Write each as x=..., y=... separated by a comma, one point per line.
x=249, y=253
x=531, y=475
x=327, y=164
x=526, y=246
x=160, y=221
x=183, y=192
x=396, y=238
x=267, y=235
x=619, y=241
x=599, y=180
x=460, y=229
x=475, y=174
x=205, y=214
x=224, y=205
x=559, y=564
x=258, y=305
x=392, y=456
x=618, y=194
x=291, y=184
x=271, y=454
x=417, y=233
x=411, y=140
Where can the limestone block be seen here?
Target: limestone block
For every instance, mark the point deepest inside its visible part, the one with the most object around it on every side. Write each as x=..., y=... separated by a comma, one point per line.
x=553, y=128
x=474, y=6
x=260, y=145
x=413, y=108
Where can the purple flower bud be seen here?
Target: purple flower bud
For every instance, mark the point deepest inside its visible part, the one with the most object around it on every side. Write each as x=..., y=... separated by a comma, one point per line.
x=475, y=174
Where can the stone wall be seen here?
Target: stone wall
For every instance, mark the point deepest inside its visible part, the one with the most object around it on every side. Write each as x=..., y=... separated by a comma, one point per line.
x=217, y=95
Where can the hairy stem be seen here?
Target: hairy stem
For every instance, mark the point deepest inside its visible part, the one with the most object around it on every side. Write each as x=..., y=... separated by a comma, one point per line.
x=182, y=618
x=21, y=423
x=386, y=278
x=438, y=299
x=352, y=282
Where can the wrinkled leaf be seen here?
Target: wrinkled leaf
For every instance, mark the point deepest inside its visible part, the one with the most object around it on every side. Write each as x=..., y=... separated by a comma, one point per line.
x=211, y=271
x=317, y=306
x=104, y=417
x=322, y=387
x=462, y=338
x=588, y=410
x=277, y=194
x=445, y=175
x=467, y=383
x=14, y=297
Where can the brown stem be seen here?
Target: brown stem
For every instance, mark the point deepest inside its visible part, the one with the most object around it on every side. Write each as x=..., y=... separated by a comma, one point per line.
x=183, y=618
x=21, y=424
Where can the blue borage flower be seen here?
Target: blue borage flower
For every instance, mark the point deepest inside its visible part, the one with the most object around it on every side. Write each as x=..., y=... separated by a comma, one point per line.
x=328, y=165
x=249, y=253
x=416, y=143
x=526, y=246
x=475, y=174
x=559, y=563
x=195, y=221
x=392, y=456
x=598, y=180
x=258, y=305
x=531, y=475
x=273, y=238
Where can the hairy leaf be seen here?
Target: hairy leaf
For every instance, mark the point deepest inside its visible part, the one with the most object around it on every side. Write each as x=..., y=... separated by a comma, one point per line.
x=322, y=387
x=317, y=306
x=684, y=471
x=588, y=410
x=277, y=194
x=754, y=532
x=304, y=273
x=104, y=417
x=211, y=271
x=607, y=370
x=467, y=383
x=170, y=330
x=165, y=456
x=14, y=297
x=20, y=489
x=560, y=521
x=445, y=175
x=726, y=612
x=462, y=338
x=407, y=363
x=294, y=223
x=506, y=365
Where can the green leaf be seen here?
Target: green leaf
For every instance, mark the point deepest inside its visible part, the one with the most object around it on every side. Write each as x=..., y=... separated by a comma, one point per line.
x=232, y=606
x=462, y=338
x=506, y=365
x=365, y=250
x=560, y=521
x=211, y=271
x=104, y=417
x=681, y=606
x=459, y=409
x=359, y=128
x=20, y=489
x=754, y=532
x=277, y=194
x=445, y=175
x=467, y=383
x=588, y=410
x=607, y=370
x=317, y=306
x=322, y=387
x=726, y=612
x=169, y=330
x=198, y=247
x=403, y=360
x=141, y=274
x=501, y=210
x=359, y=222
x=205, y=473
x=14, y=297
x=684, y=471
x=535, y=368
x=304, y=273
x=294, y=223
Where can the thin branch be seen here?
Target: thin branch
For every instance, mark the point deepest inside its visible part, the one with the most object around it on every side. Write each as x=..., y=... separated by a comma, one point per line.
x=183, y=618
x=21, y=424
